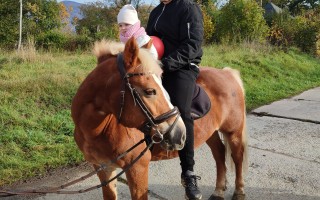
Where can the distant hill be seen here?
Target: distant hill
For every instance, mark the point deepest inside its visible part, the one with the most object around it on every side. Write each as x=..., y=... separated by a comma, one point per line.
x=73, y=9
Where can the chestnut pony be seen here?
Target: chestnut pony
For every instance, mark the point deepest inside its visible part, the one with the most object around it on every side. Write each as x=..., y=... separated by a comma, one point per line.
x=108, y=122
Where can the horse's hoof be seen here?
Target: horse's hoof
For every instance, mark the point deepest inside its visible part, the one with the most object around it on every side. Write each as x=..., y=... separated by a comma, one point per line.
x=213, y=197
x=238, y=197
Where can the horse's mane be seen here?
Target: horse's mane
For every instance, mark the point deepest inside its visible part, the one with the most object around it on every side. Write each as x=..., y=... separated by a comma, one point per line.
x=105, y=49
x=236, y=74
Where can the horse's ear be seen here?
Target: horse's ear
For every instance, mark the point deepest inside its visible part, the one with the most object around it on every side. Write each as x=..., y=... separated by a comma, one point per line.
x=130, y=54
x=148, y=45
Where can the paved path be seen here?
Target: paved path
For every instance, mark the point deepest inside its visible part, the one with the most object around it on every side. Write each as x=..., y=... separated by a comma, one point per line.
x=284, y=141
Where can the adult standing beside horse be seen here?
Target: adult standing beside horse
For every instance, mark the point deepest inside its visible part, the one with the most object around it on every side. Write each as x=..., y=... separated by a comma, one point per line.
x=179, y=23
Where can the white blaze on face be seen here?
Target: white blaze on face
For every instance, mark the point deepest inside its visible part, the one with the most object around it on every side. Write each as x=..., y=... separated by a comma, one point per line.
x=164, y=91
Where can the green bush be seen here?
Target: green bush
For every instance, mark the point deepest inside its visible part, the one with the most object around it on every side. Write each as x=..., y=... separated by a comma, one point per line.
x=302, y=31
x=51, y=40
x=308, y=32
x=9, y=36
x=78, y=42
x=318, y=45
x=282, y=30
x=241, y=20
x=55, y=40
x=306, y=37
x=276, y=37
x=109, y=33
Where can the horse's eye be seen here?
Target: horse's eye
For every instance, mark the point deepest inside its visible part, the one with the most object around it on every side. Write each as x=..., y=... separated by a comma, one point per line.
x=150, y=91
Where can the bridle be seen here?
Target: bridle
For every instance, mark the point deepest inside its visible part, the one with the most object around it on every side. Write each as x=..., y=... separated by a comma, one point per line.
x=151, y=122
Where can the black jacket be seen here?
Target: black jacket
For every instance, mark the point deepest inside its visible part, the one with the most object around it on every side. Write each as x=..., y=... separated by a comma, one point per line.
x=180, y=26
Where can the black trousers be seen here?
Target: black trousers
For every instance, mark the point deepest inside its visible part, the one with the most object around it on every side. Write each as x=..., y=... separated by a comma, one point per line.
x=180, y=85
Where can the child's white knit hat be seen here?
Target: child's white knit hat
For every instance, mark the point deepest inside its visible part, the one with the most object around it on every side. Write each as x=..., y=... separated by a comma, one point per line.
x=128, y=15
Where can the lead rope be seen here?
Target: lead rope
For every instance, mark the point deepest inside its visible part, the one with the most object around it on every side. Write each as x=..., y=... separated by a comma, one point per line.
x=57, y=190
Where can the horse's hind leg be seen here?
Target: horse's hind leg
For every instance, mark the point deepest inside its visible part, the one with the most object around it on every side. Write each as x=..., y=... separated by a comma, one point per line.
x=237, y=147
x=110, y=190
x=218, y=151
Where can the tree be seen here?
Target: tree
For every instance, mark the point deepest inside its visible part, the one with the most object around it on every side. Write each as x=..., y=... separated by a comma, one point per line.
x=20, y=26
x=9, y=23
x=64, y=14
x=100, y=18
x=295, y=7
x=39, y=16
x=241, y=20
x=95, y=18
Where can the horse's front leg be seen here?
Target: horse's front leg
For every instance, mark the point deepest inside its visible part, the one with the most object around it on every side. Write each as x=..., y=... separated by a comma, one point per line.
x=137, y=177
x=110, y=190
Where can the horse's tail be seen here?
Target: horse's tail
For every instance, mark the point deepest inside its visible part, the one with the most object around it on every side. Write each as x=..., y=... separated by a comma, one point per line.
x=103, y=49
x=245, y=164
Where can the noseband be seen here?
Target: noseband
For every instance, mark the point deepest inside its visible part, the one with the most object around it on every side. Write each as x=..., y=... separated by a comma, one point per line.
x=151, y=122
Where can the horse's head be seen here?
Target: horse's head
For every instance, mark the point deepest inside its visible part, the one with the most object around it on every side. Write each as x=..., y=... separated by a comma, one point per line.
x=142, y=102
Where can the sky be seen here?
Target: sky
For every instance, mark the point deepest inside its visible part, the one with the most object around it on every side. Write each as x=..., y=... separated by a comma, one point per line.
x=153, y=2
x=91, y=1
x=80, y=1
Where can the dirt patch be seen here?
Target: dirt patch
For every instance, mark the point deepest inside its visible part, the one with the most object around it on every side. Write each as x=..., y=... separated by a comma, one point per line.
x=53, y=178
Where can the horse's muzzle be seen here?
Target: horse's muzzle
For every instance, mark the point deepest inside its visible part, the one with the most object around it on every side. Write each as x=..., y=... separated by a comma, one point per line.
x=175, y=137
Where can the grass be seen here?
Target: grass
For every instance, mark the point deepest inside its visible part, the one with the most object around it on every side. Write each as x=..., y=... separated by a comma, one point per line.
x=36, y=130
x=268, y=74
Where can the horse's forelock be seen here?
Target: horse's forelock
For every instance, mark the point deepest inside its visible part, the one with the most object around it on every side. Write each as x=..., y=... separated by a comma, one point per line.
x=105, y=48
x=149, y=64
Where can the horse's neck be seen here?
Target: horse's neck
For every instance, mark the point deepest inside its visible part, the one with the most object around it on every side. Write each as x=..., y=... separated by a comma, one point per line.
x=103, y=88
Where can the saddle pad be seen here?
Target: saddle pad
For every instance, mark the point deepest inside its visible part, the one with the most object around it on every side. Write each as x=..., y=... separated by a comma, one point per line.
x=200, y=103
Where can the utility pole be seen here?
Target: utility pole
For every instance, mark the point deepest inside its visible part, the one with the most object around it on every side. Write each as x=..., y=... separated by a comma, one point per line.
x=20, y=31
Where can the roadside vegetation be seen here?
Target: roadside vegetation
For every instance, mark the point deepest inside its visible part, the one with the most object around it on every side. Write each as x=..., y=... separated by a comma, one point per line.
x=36, y=130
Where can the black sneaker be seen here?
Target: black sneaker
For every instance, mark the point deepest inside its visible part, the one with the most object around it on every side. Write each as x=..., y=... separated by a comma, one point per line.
x=189, y=181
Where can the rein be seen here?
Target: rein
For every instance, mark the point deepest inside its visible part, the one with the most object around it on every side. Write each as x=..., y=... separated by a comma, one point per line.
x=59, y=190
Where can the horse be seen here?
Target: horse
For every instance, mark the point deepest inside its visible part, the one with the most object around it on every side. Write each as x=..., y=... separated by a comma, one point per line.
x=108, y=121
